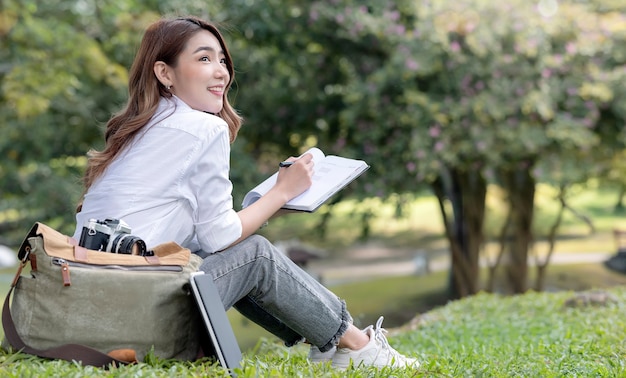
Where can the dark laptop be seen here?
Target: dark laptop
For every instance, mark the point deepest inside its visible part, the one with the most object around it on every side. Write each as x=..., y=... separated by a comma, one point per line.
x=222, y=342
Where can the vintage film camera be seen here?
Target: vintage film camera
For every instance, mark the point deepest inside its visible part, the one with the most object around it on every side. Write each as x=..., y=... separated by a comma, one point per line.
x=112, y=235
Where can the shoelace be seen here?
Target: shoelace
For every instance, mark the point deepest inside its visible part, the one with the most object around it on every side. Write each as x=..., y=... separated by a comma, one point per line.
x=380, y=335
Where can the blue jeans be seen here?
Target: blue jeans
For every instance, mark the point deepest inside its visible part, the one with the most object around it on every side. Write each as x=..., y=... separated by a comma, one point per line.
x=268, y=288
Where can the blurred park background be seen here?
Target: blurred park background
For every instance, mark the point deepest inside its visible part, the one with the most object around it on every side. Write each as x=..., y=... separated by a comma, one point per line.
x=494, y=130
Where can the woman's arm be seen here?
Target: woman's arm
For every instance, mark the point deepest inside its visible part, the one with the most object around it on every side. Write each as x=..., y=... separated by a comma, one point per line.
x=291, y=182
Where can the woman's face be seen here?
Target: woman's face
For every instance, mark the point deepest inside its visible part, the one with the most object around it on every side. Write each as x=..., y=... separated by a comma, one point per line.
x=200, y=76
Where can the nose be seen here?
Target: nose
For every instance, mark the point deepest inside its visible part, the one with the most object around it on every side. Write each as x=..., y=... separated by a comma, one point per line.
x=222, y=72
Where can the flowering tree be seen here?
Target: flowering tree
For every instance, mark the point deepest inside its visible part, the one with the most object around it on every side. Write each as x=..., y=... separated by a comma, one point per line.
x=455, y=95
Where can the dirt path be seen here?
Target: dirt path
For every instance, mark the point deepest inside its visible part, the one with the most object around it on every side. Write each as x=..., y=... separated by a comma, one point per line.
x=368, y=263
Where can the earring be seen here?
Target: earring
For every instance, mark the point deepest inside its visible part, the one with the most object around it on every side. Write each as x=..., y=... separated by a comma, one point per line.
x=169, y=87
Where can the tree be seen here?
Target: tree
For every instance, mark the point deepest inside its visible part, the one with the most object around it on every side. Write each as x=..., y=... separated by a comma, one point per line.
x=454, y=96
x=433, y=93
x=63, y=73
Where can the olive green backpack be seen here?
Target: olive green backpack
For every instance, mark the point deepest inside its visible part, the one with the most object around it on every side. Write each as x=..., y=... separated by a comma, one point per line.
x=100, y=308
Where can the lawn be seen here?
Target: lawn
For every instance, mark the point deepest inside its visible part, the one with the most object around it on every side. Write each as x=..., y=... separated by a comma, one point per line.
x=530, y=335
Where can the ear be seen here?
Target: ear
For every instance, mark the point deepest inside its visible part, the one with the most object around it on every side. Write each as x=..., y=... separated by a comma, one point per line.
x=162, y=72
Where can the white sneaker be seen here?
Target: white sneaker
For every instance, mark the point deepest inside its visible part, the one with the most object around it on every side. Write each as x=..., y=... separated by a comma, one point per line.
x=315, y=355
x=377, y=352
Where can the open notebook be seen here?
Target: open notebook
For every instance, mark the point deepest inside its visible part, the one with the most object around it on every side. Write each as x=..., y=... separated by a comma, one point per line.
x=332, y=174
x=222, y=341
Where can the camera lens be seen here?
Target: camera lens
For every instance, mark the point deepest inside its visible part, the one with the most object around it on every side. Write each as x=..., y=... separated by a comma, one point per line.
x=129, y=245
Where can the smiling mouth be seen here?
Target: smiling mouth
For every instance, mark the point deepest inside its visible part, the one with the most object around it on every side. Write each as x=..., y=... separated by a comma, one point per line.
x=216, y=89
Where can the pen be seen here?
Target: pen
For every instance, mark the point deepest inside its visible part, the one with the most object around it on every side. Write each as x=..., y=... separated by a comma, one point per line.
x=285, y=164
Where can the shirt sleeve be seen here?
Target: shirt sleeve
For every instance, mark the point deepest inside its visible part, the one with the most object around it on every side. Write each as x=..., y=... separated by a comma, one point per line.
x=216, y=223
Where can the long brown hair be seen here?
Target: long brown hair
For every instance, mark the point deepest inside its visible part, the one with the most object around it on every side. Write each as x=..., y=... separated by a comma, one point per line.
x=163, y=41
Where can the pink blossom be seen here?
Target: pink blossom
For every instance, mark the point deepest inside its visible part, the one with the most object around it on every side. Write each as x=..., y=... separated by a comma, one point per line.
x=411, y=167
x=358, y=27
x=465, y=82
x=546, y=73
x=397, y=29
x=340, y=143
x=537, y=172
x=570, y=47
x=455, y=46
x=439, y=146
x=434, y=131
x=393, y=16
x=411, y=64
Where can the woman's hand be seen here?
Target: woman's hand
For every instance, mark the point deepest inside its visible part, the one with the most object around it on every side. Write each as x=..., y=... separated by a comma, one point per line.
x=291, y=182
x=296, y=178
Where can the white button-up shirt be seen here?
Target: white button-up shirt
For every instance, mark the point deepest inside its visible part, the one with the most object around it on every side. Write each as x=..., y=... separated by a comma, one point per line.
x=172, y=184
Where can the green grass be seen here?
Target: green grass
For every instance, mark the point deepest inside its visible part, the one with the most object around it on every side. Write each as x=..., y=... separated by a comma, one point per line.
x=530, y=335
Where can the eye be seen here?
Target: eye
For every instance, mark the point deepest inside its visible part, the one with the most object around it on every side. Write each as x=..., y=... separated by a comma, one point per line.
x=205, y=59
x=223, y=61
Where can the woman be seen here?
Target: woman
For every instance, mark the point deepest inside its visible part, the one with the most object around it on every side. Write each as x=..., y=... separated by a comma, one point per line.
x=165, y=172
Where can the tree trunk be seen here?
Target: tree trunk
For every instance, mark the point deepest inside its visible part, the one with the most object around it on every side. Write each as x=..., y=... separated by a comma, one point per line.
x=520, y=186
x=493, y=265
x=619, y=205
x=463, y=219
x=540, y=281
x=542, y=266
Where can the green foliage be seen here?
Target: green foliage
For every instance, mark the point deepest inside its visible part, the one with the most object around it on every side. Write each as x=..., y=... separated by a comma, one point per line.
x=411, y=87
